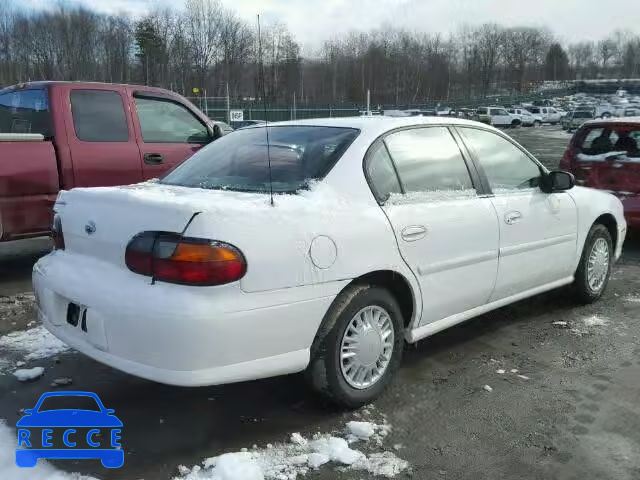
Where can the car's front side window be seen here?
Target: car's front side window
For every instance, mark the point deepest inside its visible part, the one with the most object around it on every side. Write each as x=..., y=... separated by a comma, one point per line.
x=429, y=163
x=506, y=166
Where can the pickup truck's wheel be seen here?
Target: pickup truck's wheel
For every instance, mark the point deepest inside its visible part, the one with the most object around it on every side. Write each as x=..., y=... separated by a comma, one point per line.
x=594, y=270
x=358, y=347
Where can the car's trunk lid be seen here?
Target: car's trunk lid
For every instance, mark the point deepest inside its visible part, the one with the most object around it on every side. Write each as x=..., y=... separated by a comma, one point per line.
x=100, y=222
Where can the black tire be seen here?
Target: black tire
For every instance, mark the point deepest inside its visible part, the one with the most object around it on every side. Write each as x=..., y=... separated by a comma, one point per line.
x=537, y=124
x=515, y=124
x=324, y=373
x=583, y=291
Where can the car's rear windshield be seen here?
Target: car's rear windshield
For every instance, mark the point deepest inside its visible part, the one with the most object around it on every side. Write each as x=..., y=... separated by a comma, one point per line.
x=582, y=115
x=621, y=140
x=240, y=161
x=25, y=111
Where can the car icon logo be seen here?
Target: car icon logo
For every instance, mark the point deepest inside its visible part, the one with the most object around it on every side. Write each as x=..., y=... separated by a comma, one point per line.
x=53, y=430
x=90, y=228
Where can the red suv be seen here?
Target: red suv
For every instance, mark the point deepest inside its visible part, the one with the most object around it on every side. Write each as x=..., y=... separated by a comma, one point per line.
x=605, y=154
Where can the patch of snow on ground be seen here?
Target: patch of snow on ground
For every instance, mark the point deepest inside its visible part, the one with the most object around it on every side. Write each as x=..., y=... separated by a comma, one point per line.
x=26, y=374
x=632, y=299
x=595, y=321
x=35, y=343
x=300, y=456
x=42, y=471
x=361, y=430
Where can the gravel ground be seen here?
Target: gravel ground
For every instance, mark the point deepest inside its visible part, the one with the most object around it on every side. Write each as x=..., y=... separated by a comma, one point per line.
x=572, y=414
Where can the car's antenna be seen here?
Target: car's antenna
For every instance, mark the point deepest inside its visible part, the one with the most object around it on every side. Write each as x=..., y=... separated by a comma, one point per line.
x=264, y=104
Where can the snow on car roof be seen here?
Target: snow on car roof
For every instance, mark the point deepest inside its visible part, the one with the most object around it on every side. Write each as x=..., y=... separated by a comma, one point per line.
x=615, y=120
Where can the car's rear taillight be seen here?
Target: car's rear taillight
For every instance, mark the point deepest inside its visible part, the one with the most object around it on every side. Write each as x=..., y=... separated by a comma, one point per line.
x=170, y=257
x=56, y=233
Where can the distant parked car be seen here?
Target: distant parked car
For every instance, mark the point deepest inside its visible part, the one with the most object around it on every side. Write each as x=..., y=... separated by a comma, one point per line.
x=547, y=114
x=605, y=154
x=527, y=119
x=381, y=231
x=247, y=123
x=496, y=116
x=577, y=118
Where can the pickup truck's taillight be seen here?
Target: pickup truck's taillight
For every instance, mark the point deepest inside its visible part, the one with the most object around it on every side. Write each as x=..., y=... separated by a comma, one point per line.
x=170, y=257
x=56, y=233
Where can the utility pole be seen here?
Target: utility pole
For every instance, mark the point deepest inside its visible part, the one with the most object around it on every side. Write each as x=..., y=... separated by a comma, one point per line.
x=228, y=105
x=294, y=106
x=368, y=102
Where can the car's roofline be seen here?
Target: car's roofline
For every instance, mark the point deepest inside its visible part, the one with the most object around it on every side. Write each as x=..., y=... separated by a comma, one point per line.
x=376, y=125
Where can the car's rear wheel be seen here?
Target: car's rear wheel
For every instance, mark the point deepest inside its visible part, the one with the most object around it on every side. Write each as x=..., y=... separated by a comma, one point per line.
x=358, y=347
x=515, y=124
x=594, y=270
x=537, y=123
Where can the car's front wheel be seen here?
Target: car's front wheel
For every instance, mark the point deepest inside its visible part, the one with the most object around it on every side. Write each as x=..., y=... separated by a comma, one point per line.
x=594, y=270
x=358, y=347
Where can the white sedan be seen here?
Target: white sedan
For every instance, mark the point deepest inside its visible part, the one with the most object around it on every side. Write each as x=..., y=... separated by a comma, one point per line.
x=379, y=231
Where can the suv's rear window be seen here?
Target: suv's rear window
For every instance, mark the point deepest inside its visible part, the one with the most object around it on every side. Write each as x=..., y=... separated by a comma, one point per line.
x=25, y=111
x=239, y=161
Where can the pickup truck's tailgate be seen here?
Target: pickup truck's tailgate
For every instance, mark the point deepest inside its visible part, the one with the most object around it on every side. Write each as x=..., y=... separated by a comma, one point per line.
x=100, y=222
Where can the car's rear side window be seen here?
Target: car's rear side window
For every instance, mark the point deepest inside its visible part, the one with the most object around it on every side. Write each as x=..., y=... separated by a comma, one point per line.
x=381, y=172
x=98, y=116
x=481, y=111
x=240, y=161
x=429, y=160
x=25, y=111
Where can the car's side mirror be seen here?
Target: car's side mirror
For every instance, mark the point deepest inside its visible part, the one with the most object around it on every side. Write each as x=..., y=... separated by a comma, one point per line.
x=109, y=411
x=557, y=181
x=28, y=411
x=211, y=132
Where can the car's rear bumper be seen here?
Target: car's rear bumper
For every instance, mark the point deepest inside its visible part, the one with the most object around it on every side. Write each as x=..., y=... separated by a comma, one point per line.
x=174, y=334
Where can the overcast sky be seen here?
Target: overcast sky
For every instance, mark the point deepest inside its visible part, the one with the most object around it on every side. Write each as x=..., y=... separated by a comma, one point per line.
x=313, y=21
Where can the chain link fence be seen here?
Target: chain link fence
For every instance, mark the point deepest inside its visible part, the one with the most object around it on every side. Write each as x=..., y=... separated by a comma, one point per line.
x=219, y=108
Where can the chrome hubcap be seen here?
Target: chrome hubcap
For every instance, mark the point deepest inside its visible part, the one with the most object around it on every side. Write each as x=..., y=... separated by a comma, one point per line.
x=598, y=264
x=367, y=346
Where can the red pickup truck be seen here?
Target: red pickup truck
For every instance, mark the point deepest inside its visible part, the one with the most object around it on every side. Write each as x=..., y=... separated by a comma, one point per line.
x=61, y=135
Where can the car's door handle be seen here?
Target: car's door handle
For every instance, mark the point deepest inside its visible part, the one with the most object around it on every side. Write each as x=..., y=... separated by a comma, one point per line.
x=512, y=217
x=413, y=233
x=153, y=158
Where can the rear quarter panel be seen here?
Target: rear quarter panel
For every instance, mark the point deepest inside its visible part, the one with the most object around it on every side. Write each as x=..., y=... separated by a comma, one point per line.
x=335, y=232
x=591, y=204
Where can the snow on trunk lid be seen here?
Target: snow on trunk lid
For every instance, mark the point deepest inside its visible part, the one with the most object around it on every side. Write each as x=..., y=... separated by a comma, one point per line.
x=100, y=222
